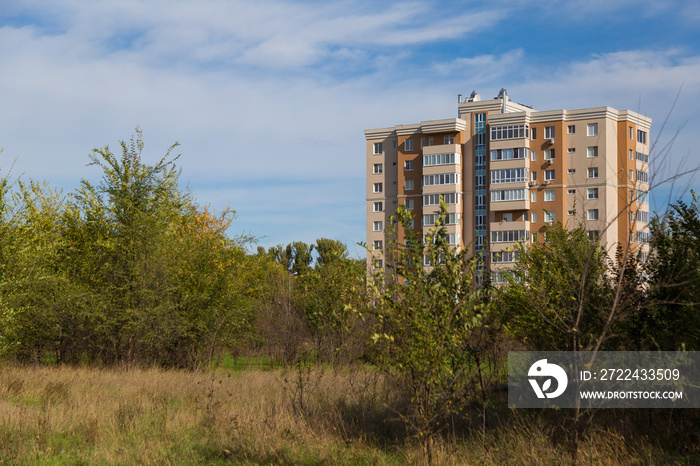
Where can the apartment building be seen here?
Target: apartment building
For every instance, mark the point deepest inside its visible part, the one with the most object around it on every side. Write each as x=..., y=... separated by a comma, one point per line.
x=506, y=170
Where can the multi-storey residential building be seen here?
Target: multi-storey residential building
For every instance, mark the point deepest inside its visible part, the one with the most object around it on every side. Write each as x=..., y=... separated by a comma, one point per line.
x=506, y=171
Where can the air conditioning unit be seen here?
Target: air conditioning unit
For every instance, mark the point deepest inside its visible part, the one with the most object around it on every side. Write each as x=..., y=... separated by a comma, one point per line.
x=550, y=141
x=550, y=161
x=531, y=183
x=547, y=181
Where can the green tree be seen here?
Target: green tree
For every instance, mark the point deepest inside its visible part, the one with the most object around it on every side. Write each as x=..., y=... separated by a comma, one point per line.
x=431, y=331
x=672, y=319
x=557, y=296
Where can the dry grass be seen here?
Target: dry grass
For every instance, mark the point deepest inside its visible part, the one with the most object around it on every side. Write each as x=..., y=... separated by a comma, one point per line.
x=72, y=415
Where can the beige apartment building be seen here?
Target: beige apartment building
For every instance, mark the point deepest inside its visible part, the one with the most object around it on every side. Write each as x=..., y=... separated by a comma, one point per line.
x=506, y=171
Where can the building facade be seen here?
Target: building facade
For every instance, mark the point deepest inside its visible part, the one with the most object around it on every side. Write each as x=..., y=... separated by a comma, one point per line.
x=506, y=171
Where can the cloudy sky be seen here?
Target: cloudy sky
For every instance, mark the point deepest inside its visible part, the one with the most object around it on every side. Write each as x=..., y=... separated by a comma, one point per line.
x=269, y=98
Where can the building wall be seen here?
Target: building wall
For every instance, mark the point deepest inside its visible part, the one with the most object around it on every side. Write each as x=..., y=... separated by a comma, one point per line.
x=591, y=150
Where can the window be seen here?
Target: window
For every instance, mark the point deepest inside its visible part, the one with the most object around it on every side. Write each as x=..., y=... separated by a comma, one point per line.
x=509, y=132
x=592, y=214
x=378, y=244
x=642, y=216
x=593, y=235
x=592, y=129
x=549, y=132
x=409, y=185
x=631, y=154
x=509, y=236
x=549, y=175
x=506, y=217
x=395, y=144
x=422, y=143
x=525, y=216
x=570, y=212
x=509, y=175
x=642, y=157
x=534, y=238
x=377, y=207
x=534, y=133
x=592, y=172
x=453, y=239
x=504, y=256
x=571, y=191
x=642, y=197
x=408, y=165
x=409, y=204
x=592, y=193
x=431, y=141
x=508, y=195
x=631, y=175
x=571, y=171
x=592, y=152
x=380, y=263
x=533, y=176
x=642, y=176
x=377, y=168
x=377, y=148
x=548, y=196
x=509, y=154
x=378, y=226
x=434, y=199
x=549, y=216
x=430, y=219
x=571, y=129
x=631, y=132
x=408, y=145
x=449, y=139
x=533, y=196
x=395, y=183
x=534, y=217
x=430, y=160
x=644, y=236
x=377, y=188
x=549, y=154
x=533, y=156
x=641, y=136
x=570, y=150
x=442, y=178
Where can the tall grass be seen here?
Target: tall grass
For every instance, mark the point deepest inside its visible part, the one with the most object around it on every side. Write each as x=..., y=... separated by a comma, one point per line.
x=69, y=415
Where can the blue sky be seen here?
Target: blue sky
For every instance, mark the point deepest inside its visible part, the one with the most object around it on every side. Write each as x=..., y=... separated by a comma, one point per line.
x=269, y=99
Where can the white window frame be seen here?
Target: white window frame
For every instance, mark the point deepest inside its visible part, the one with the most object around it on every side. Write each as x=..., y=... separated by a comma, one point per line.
x=408, y=165
x=408, y=185
x=549, y=132
x=378, y=225
x=592, y=193
x=449, y=139
x=408, y=145
x=377, y=207
x=592, y=152
x=549, y=216
x=550, y=175
x=378, y=188
x=410, y=204
x=592, y=214
x=592, y=129
x=378, y=168
x=592, y=172
x=549, y=195
x=377, y=148
x=571, y=129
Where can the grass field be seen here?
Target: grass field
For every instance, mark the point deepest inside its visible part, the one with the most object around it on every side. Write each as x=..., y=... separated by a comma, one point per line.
x=67, y=415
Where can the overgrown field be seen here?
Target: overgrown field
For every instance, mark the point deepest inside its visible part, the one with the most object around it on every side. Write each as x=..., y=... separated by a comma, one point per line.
x=68, y=415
